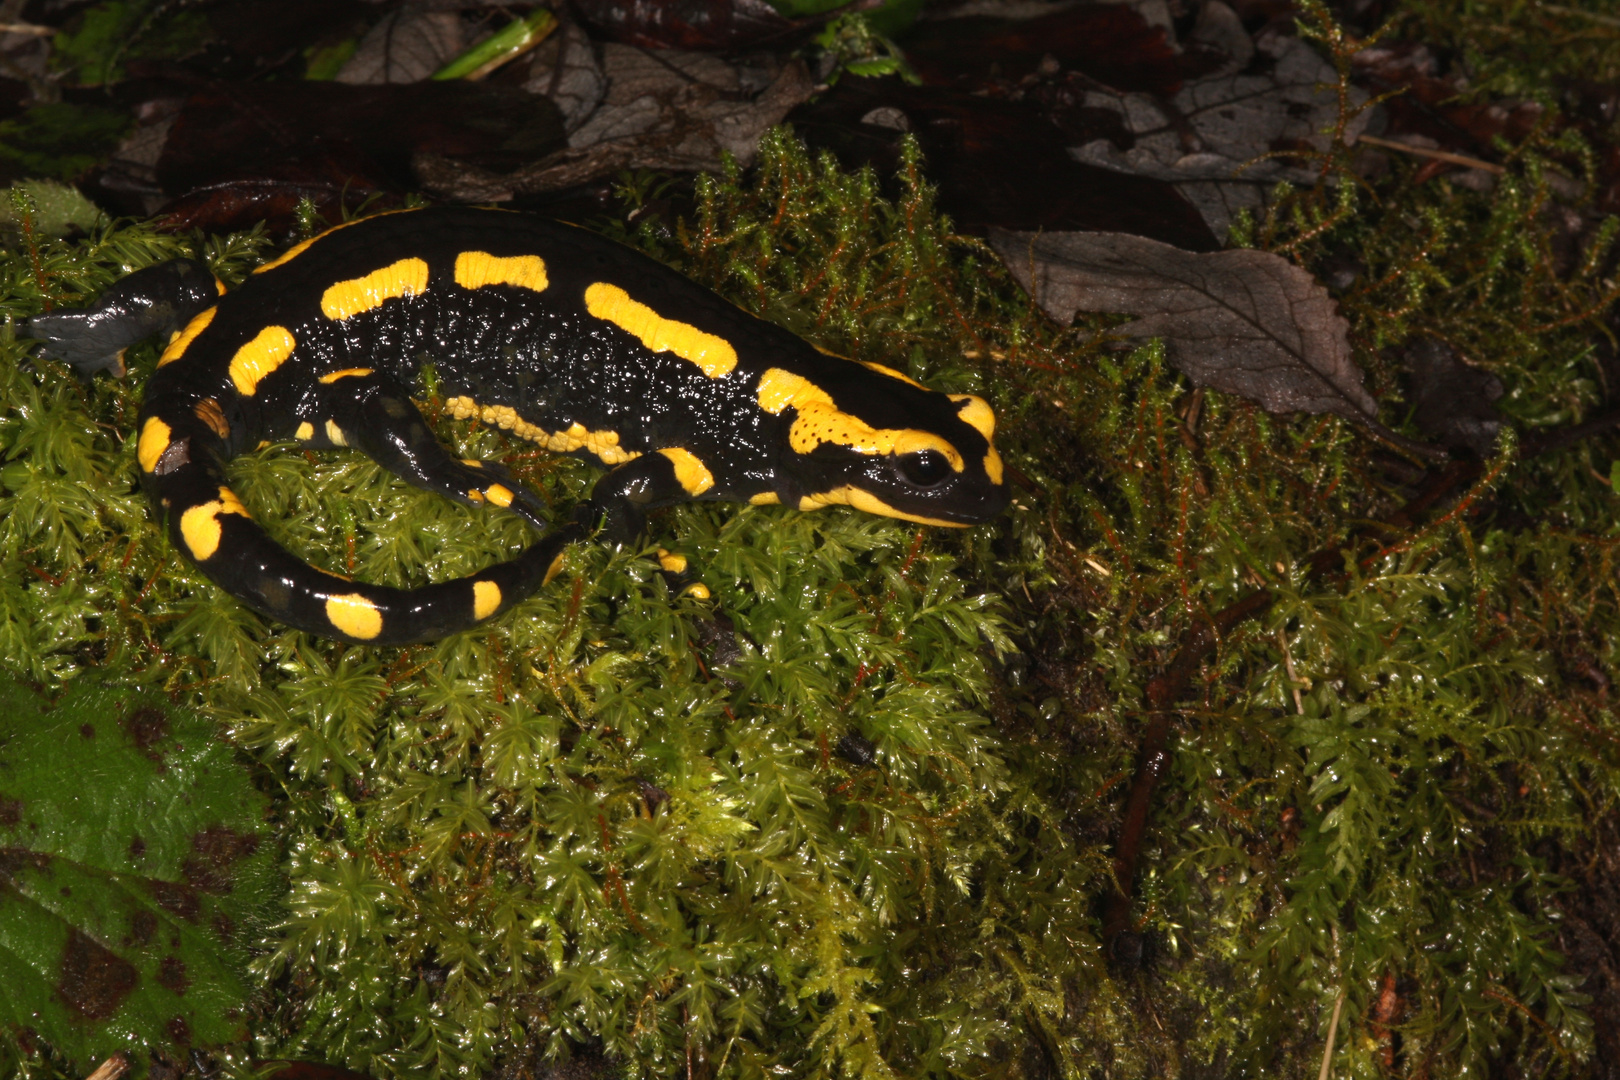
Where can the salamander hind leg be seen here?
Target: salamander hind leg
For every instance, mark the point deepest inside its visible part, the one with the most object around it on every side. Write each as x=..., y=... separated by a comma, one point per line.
x=369, y=412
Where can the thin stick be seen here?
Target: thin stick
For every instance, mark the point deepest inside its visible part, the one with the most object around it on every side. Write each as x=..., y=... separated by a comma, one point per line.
x=1288, y=664
x=1333, y=1032
x=111, y=1069
x=1438, y=155
x=32, y=30
x=1602, y=20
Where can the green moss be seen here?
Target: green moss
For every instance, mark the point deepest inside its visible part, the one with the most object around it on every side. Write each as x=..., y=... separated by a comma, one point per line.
x=585, y=830
x=60, y=141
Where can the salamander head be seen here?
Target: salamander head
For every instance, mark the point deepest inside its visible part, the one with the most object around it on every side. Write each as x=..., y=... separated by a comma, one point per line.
x=875, y=440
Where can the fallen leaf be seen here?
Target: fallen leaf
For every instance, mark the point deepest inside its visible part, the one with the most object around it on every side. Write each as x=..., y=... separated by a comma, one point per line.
x=125, y=893
x=715, y=25
x=406, y=45
x=565, y=69
x=1211, y=139
x=1245, y=322
x=1109, y=43
x=663, y=110
x=997, y=162
x=1452, y=401
x=232, y=131
x=336, y=191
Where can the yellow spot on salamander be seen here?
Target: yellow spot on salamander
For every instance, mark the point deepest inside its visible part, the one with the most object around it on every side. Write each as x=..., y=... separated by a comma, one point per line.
x=697, y=591
x=208, y=411
x=219, y=286
x=475, y=495
x=200, y=526
x=715, y=355
x=992, y=466
x=671, y=562
x=346, y=373
x=475, y=269
x=499, y=494
x=765, y=498
x=690, y=471
x=260, y=357
x=976, y=413
x=486, y=598
x=553, y=570
x=863, y=500
x=405, y=278
x=818, y=421
x=603, y=444
x=182, y=341
x=334, y=434
x=354, y=615
x=153, y=441
x=305, y=432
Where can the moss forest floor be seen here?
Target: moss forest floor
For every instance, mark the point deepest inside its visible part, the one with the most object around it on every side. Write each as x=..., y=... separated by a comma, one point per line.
x=1238, y=733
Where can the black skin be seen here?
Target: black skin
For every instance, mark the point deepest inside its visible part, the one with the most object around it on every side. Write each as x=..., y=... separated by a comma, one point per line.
x=540, y=355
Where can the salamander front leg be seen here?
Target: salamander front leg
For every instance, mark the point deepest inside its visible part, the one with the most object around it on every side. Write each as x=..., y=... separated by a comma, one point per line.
x=619, y=503
x=368, y=412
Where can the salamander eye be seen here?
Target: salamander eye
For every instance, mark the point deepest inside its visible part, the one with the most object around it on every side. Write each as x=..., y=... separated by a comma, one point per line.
x=925, y=468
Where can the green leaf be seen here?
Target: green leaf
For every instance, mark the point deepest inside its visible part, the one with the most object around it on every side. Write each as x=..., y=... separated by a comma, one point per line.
x=133, y=861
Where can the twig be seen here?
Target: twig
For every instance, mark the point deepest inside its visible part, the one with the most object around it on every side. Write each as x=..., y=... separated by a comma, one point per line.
x=1333, y=1032
x=112, y=1068
x=1165, y=689
x=1288, y=665
x=1601, y=20
x=35, y=31
x=1560, y=438
x=1162, y=692
x=1438, y=155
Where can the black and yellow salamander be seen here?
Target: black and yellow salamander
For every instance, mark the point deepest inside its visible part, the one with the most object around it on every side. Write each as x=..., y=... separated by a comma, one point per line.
x=546, y=330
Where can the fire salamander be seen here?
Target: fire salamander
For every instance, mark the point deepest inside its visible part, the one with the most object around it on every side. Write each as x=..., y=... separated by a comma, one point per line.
x=545, y=330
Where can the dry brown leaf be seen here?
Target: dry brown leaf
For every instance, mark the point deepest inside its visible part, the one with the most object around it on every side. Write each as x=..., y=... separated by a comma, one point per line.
x=1453, y=402
x=565, y=69
x=664, y=109
x=1246, y=322
x=1212, y=139
x=405, y=46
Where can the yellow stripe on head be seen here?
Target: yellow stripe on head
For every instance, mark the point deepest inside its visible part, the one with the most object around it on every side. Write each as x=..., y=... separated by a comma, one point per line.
x=871, y=504
x=976, y=413
x=819, y=421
